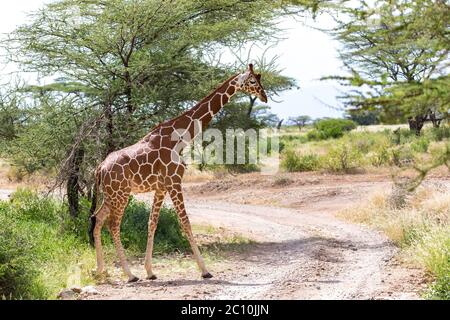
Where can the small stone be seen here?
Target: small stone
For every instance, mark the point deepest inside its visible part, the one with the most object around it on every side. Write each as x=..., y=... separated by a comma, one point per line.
x=89, y=290
x=67, y=294
x=76, y=289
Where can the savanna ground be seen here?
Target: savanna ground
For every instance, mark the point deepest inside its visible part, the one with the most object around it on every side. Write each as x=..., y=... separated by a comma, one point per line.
x=331, y=233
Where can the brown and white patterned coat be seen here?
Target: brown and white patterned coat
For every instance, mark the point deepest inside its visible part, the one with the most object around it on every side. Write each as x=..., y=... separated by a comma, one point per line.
x=149, y=165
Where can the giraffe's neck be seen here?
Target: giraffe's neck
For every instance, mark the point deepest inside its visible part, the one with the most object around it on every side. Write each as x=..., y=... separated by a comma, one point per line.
x=209, y=106
x=201, y=114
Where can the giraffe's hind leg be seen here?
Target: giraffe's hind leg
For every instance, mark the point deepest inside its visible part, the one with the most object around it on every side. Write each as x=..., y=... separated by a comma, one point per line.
x=99, y=220
x=152, y=224
x=114, y=227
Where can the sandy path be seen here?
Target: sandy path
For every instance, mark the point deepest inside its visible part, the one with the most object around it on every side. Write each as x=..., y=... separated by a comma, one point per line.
x=304, y=254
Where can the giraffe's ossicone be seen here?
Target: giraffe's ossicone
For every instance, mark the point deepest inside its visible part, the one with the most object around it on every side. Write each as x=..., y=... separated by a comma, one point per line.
x=149, y=165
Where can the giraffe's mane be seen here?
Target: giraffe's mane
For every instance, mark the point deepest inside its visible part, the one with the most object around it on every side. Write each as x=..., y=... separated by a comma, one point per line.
x=196, y=105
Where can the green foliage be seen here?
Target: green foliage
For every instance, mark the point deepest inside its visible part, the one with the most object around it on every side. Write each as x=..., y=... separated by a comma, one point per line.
x=31, y=206
x=420, y=144
x=342, y=157
x=396, y=53
x=440, y=134
x=363, y=117
x=330, y=128
x=42, y=248
x=38, y=257
x=361, y=149
x=300, y=121
x=119, y=69
x=19, y=277
x=440, y=289
x=293, y=161
x=168, y=237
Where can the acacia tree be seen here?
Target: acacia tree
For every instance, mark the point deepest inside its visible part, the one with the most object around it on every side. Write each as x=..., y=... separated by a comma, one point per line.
x=300, y=121
x=124, y=65
x=396, y=53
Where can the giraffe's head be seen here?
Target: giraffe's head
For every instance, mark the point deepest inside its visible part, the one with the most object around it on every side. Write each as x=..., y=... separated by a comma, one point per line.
x=250, y=82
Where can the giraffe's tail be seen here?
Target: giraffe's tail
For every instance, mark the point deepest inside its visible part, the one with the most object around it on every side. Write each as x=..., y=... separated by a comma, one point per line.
x=94, y=206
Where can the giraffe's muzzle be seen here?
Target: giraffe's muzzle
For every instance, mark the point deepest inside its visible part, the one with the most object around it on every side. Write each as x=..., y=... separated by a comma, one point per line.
x=263, y=97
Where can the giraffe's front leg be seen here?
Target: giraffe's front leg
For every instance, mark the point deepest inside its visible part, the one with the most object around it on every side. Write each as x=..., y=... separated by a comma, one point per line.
x=176, y=194
x=152, y=224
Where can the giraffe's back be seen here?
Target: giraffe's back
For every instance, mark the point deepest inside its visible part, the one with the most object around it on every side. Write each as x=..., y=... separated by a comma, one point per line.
x=142, y=167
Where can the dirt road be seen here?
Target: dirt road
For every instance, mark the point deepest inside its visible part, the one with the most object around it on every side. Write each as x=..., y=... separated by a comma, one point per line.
x=301, y=252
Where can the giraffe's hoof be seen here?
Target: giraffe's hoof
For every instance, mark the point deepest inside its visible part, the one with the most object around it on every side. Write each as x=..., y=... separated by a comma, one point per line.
x=207, y=275
x=133, y=279
x=152, y=277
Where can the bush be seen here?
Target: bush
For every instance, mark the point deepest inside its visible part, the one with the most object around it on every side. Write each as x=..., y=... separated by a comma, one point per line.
x=420, y=144
x=37, y=257
x=342, y=157
x=19, y=278
x=294, y=161
x=402, y=156
x=330, y=128
x=382, y=155
x=315, y=135
x=168, y=237
x=42, y=249
x=31, y=206
x=439, y=134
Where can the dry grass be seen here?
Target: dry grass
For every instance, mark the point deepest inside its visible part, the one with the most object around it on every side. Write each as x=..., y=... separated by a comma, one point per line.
x=419, y=223
x=194, y=175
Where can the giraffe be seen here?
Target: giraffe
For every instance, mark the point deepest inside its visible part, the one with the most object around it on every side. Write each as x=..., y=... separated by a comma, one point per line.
x=149, y=165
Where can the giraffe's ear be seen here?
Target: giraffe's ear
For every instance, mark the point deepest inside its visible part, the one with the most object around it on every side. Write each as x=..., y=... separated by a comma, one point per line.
x=258, y=76
x=250, y=67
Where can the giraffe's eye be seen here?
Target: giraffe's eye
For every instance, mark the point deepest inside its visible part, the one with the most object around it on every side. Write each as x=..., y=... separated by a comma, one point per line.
x=252, y=81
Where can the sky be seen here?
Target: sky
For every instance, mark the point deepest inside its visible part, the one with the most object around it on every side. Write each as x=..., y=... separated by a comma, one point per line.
x=305, y=54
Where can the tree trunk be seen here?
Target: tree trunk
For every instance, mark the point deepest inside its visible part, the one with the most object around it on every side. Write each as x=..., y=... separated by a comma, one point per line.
x=250, y=107
x=435, y=120
x=279, y=124
x=416, y=123
x=110, y=145
x=72, y=183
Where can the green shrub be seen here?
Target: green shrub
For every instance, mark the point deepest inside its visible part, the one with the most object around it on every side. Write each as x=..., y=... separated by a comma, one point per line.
x=30, y=205
x=168, y=237
x=401, y=156
x=342, y=157
x=381, y=156
x=439, y=134
x=19, y=277
x=38, y=257
x=330, y=128
x=440, y=289
x=433, y=251
x=315, y=135
x=293, y=161
x=406, y=135
x=43, y=248
x=79, y=226
x=420, y=144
